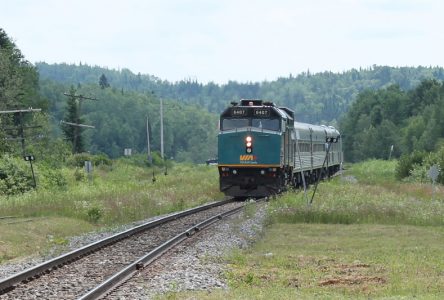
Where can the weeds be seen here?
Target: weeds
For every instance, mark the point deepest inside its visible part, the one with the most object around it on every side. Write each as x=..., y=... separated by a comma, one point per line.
x=250, y=209
x=94, y=214
x=376, y=198
x=119, y=195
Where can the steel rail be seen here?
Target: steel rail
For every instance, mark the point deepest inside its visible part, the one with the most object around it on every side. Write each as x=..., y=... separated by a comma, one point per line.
x=111, y=283
x=57, y=262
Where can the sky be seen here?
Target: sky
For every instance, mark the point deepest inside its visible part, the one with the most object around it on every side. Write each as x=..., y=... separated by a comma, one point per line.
x=218, y=41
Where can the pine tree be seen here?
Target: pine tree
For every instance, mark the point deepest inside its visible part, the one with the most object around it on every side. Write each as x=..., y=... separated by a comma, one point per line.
x=103, y=81
x=72, y=115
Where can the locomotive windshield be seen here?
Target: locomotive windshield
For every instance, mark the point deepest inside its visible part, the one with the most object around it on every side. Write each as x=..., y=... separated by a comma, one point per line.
x=228, y=124
x=266, y=124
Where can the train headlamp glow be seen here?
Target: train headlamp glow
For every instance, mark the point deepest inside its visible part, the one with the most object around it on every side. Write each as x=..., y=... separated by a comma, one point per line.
x=262, y=172
x=248, y=145
x=234, y=172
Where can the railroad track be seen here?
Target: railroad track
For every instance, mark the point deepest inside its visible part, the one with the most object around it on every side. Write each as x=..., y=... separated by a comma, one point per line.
x=90, y=271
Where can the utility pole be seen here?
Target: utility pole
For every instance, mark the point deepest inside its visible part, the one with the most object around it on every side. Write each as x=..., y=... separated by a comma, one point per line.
x=77, y=124
x=161, y=128
x=21, y=134
x=150, y=159
x=21, y=128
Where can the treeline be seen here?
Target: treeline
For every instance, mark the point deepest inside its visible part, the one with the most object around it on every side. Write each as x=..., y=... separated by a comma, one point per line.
x=410, y=120
x=316, y=98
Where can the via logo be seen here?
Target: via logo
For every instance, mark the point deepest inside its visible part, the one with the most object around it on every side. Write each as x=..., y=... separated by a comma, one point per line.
x=247, y=157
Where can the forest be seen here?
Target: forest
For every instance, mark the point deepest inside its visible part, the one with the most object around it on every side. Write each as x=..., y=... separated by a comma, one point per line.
x=408, y=120
x=320, y=98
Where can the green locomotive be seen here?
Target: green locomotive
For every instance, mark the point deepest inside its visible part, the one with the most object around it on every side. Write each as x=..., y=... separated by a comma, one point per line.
x=262, y=150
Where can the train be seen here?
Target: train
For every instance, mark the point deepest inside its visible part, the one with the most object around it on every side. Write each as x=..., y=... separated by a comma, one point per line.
x=262, y=150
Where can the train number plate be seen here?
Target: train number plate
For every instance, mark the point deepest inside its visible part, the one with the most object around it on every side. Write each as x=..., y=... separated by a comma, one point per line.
x=261, y=112
x=238, y=112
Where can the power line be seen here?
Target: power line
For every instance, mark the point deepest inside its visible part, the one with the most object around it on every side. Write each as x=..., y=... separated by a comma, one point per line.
x=21, y=136
x=21, y=128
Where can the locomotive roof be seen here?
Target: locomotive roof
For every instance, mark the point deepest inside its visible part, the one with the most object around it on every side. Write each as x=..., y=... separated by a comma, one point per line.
x=282, y=112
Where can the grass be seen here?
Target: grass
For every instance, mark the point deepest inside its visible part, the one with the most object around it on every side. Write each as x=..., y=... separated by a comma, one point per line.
x=125, y=193
x=365, y=236
x=116, y=195
x=25, y=236
x=305, y=261
x=340, y=202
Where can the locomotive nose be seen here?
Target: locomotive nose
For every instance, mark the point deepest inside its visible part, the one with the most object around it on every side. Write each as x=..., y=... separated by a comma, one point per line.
x=248, y=183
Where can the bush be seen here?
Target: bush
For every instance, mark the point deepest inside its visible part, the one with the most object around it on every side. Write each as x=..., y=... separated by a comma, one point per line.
x=101, y=159
x=78, y=159
x=407, y=163
x=140, y=160
x=49, y=178
x=420, y=172
x=94, y=214
x=79, y=175
x=417, y=165
x=15, y=176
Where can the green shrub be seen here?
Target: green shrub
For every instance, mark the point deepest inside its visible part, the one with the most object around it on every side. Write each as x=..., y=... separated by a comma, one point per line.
x=407, y=162
x=79, y=175
x=78, y=159
x=94, y=214
x=51, y=178
x=415, y=167
x=141, y=160
x=138, y=160
x=101, y=159
x=15, y=176
x=420, y=172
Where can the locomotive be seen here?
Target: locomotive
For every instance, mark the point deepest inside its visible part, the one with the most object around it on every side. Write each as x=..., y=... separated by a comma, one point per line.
x=262, y=150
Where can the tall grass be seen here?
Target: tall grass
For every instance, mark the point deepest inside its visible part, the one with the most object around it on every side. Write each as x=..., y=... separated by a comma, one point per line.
x=119, y=194
x=348, y=202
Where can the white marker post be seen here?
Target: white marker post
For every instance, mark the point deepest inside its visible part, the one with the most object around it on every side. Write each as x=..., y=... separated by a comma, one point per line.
x=433, y=174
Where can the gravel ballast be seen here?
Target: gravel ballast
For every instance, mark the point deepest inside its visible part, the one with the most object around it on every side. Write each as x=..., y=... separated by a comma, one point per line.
x=197, y=264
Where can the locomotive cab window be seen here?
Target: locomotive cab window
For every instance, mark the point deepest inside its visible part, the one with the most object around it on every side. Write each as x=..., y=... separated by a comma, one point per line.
x=268, y=124
x=228, y=124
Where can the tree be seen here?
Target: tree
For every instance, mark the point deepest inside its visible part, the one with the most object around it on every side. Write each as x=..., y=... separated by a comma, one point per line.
x=19, y=84
x=72, y=115
x=103, y=81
